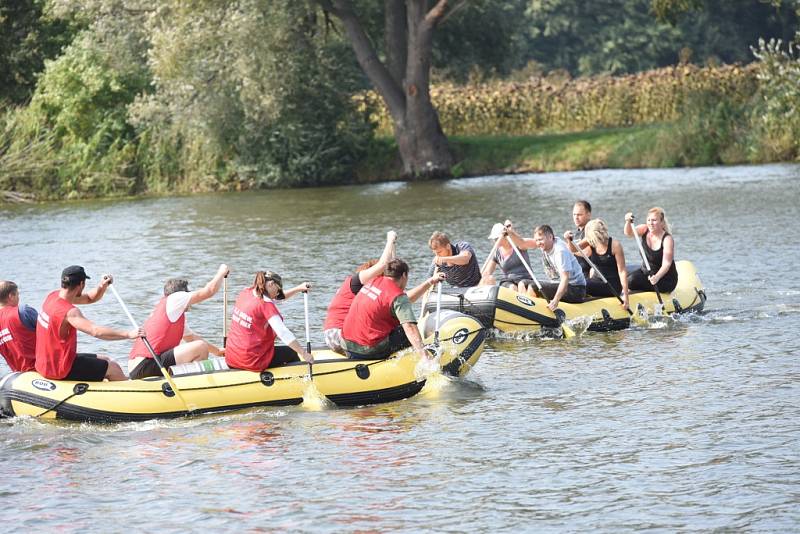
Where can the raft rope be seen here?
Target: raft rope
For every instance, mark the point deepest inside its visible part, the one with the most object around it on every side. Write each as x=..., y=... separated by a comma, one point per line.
x=76, y=391
x=275, y=378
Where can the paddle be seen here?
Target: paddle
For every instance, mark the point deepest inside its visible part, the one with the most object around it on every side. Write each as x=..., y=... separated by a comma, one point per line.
x=225, y=311
x=428, y=291
x=308, y=334
x=438, y=313
x=155, y=356
x=495, y=229
x=559, y=313
x=637, y=238
x=603, y=278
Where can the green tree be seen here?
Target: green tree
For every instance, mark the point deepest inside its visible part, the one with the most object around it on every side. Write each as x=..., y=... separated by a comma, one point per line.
x=261, y=85
x=402, y=77
x=616, y=37
x=486, y=36
x=27, y=38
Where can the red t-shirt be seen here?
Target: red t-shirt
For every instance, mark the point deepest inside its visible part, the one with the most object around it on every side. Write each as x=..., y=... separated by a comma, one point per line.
x=54, y=354
x=341, y=302
x=251, y=340
x=370, y=318
x=160, y=331
x=17, y=342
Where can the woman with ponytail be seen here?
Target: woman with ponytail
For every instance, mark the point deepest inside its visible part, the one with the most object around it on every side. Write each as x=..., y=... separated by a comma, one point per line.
x=256, y=323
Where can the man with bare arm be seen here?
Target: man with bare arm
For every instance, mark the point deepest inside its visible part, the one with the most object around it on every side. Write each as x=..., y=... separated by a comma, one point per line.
x=57, y=356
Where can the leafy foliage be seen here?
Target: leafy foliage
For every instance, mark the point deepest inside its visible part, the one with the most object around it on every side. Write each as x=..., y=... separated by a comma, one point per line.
x=625, y=36
x=78, y=118
x=776, y=118
x=27, y=38
x=257, y=83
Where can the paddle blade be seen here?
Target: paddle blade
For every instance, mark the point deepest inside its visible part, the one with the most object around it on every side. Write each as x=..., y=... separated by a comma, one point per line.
x=566, y=329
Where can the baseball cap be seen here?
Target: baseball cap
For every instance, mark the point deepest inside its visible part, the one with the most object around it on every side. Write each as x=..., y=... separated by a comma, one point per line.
x=497, y=231
x=74, y=273
x=275, y=277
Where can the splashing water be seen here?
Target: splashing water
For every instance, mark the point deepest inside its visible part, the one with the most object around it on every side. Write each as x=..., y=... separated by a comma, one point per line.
x=313, y=399
x=580, y=324
x=426, y=367
x=435, y=384
x=430, y=370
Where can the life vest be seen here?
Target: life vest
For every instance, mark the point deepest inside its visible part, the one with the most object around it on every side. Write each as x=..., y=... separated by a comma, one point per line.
x=161, y=333
x=17, y=342
x=370, y=317
x=251, y=340
x=54, y=354
x=339, y=306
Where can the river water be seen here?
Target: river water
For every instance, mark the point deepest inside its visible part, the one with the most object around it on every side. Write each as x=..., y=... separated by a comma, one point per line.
x=690, y=425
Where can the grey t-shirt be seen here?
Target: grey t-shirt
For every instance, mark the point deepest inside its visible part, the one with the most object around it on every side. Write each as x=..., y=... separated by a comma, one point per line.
x=511, y=265
x=560, y=259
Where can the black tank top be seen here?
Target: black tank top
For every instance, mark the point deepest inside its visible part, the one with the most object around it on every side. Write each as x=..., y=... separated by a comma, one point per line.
x=656, y=258
x=607, y=264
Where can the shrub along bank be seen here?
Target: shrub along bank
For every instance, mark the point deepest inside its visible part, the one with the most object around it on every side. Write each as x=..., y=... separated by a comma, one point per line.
x=681, y=116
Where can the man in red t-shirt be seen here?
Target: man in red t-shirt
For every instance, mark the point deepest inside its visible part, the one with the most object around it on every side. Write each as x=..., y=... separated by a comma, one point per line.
x=166, y=329
x=17, y=329
x=381, y=321
x=57, y=332
x=340, y=304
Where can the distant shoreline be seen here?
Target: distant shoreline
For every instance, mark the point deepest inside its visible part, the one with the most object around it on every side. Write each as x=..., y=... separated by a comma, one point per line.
x=636, y=147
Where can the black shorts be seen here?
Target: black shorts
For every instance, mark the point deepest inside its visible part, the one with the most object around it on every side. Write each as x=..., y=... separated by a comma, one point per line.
x=574, y=294
x=88, y=367
x=149, y=366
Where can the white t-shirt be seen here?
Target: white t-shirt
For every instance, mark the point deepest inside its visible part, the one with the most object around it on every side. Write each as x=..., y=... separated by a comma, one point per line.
x=176, y=306
x=277, y=324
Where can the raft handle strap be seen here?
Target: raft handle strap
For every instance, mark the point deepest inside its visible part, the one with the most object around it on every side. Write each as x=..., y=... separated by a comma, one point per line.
x=79, y=389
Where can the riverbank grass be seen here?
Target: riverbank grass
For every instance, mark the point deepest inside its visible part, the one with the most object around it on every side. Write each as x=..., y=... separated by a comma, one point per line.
x=633, y=147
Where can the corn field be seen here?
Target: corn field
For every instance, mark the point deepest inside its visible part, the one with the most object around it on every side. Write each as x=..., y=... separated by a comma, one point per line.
x=547, y=105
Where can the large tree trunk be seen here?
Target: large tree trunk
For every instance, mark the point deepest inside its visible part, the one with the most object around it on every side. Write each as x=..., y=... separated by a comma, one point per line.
x=423, y=145
x=404, y=81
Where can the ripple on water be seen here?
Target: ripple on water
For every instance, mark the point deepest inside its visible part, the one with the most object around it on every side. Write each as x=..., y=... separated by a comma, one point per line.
x=691, y=425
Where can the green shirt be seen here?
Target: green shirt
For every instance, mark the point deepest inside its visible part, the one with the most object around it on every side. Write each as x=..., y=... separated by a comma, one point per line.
x=402, y=311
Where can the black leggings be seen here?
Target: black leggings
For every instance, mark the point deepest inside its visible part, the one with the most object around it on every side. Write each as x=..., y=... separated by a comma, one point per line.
x=595, y=287
x=283, y=355
x=638, y=281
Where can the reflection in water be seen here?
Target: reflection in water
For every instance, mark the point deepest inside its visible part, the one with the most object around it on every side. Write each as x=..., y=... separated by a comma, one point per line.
x=690, y=425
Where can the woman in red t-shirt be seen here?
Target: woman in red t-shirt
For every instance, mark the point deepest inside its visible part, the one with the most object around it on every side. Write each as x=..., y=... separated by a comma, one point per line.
x=255, y=323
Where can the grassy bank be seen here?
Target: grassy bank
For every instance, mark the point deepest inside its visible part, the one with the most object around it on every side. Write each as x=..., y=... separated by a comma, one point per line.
x=657, y=145
x=681, y=116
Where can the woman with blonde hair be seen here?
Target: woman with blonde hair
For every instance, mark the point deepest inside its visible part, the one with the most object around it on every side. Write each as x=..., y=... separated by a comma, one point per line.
x=607, y=256
x=659, y=249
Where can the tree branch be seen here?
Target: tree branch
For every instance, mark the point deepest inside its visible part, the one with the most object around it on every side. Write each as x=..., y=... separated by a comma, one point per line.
x=436, y=13
x=396, y=38
x=390, y=90
x=456, y=8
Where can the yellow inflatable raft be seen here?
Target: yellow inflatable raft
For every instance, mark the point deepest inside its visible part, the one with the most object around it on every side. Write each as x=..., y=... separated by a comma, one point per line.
x=344, y=381
x=509, y=311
